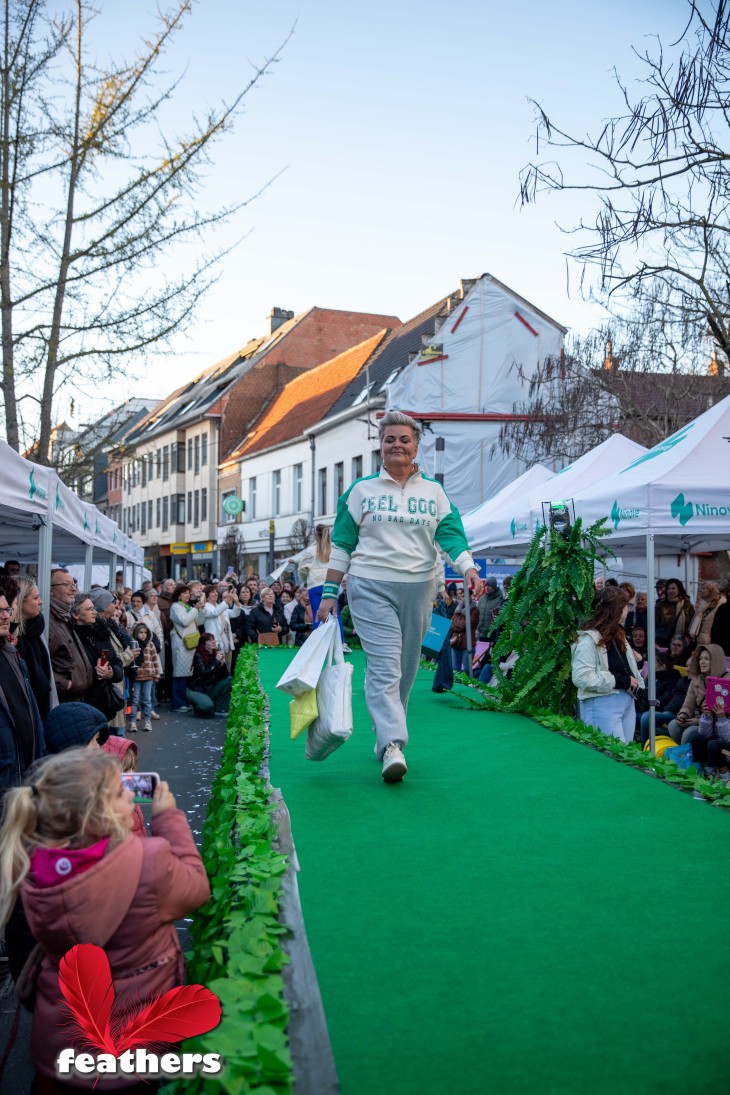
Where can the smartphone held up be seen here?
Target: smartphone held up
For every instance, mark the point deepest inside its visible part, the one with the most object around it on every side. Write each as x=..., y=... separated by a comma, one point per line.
x=142, y=784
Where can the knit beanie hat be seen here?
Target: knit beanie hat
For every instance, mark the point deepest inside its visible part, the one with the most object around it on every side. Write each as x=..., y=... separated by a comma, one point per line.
x=72, y=724
x=101, y=598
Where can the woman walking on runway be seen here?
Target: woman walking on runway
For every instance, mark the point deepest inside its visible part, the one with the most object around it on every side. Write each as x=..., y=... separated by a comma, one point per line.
x=384, y=538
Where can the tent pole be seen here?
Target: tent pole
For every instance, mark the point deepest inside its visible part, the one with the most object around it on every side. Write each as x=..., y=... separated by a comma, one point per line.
x=88, y=566
x=651, y=639
x=112, y=573
x=45, y=541
x=688, y=575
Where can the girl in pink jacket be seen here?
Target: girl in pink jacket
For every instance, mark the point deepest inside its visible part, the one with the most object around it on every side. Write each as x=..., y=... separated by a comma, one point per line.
x=67, y=848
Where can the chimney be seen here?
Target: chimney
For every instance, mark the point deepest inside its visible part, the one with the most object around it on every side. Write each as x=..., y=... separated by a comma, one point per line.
x=277, y=317
x=608, y=362
x=715, y=369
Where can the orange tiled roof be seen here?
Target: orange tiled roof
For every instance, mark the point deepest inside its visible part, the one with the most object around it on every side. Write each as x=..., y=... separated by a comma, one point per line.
x=306, y=399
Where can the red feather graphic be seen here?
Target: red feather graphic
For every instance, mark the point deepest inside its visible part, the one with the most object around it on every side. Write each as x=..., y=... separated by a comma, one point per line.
x=85, y=980
x=181, y=1013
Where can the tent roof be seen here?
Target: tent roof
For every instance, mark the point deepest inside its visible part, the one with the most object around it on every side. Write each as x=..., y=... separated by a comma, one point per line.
x=477, y=519
x=679, y=490
x=512, y=525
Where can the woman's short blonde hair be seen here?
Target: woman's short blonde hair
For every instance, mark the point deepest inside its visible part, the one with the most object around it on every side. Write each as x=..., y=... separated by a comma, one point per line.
x=397, y=418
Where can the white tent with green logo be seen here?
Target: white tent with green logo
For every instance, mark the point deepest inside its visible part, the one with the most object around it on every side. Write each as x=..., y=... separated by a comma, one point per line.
x=41, y=519
x=679, y=491
x=674, y=498
x=479, y=519
x=508, y=527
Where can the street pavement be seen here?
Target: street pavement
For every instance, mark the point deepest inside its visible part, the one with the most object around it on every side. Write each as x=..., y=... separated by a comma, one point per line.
x=184, y=750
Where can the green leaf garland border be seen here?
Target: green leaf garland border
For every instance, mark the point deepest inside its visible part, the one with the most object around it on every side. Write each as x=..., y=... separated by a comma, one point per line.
x=237, y=937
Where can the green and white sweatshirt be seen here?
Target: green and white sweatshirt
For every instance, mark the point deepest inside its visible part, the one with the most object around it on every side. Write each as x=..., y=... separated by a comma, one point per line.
x=389, y=533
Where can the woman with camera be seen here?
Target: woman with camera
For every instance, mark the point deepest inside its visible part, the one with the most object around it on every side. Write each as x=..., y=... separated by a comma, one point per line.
x=186, y=618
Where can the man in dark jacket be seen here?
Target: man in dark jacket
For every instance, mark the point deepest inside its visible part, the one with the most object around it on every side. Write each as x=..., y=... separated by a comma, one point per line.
x=71, y=669
x=489, y=605
x=21, y=732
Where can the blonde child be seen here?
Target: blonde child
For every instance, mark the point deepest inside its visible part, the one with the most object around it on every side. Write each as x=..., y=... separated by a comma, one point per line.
x=125, y=750
x=66, y=847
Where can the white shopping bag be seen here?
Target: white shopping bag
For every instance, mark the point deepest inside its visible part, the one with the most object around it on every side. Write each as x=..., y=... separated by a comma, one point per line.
x=333, y=725
x=305, y=669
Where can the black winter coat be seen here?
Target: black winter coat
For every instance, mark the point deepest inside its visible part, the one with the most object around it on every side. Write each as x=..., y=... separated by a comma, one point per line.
x=31, y=647
x=94, y=639
x=260, y=621
x=205, y=675
x=12, y=761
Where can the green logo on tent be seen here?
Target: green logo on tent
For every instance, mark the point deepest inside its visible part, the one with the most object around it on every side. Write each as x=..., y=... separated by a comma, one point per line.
x=86, y=521
x=34, y=489
x=60, y=504
x=663, y=446
x=96, y=527
x=681, y=510
x=517, y=526
x=618, y=514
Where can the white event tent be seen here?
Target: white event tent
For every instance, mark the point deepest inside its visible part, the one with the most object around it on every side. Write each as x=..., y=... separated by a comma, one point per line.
x=42, y=520
x=508, y=524
x=675, y=497
x=494, y=509
x=679, y=491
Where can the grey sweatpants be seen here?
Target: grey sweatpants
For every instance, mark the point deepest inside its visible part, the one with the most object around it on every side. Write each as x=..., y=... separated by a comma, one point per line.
x=391, y=620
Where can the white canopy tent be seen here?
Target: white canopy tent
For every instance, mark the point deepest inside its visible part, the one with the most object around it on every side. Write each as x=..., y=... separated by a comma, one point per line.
x=675, y=497
x=679, y=490
x=41, y=519
x=508, y=527
x=502, y=502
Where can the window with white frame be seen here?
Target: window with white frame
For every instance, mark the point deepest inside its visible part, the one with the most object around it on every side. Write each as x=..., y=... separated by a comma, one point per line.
x=377, y=461
x=339, y=480
x=204, y=450
x=204, y=505
x=357, y=467
x=276, y=492
x=297, y=480
x=252, y=498
x=322, y=491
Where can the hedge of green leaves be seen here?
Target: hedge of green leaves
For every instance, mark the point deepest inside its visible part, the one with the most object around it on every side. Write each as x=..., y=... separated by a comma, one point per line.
x=237, y=936
x=692, y=781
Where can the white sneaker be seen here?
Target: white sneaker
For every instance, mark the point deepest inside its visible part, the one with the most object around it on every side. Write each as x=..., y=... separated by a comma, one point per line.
x=147, y=726
x=155, y=716
x=346, y=649
x=138, y=716
x=394, y=763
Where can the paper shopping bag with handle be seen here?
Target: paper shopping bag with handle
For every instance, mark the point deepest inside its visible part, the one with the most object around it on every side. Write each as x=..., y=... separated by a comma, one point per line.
x=333, y=725
x=306, y=666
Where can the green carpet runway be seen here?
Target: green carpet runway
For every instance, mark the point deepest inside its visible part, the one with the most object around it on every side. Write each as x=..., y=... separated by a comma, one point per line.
x=521, y=914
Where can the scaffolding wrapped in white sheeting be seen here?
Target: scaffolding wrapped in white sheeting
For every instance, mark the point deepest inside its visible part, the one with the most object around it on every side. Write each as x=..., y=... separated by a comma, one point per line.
x=466, y=383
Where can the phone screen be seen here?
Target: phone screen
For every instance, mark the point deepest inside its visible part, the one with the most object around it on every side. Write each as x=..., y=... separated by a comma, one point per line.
x=142, y=784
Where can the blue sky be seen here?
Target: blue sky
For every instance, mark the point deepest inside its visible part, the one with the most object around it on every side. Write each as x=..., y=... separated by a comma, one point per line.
x=400, y=129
